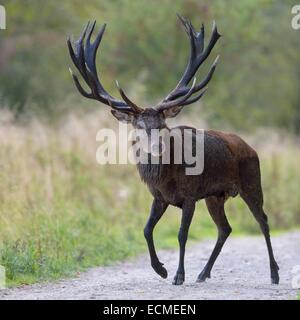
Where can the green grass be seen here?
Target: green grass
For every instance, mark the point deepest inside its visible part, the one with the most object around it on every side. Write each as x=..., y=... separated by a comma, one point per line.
x=61, y=212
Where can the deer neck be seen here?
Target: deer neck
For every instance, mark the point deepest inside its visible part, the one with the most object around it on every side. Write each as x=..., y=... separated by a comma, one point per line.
x=151, y=173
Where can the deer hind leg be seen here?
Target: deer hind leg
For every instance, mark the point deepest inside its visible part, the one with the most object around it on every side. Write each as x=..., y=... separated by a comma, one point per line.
x=215, y=206
x=260, y=216
x=253, y=196
x=157, y=210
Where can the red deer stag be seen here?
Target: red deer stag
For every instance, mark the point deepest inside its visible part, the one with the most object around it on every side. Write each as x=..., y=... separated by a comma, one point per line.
x=231, y=166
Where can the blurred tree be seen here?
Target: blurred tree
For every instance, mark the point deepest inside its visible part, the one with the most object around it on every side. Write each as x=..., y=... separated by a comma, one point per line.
x=256, y=84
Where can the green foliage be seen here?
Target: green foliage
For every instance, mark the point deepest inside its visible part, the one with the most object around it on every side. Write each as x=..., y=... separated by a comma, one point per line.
x=256, y=83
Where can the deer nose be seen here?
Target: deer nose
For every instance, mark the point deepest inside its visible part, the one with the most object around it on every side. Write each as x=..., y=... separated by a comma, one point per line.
x=158, y=149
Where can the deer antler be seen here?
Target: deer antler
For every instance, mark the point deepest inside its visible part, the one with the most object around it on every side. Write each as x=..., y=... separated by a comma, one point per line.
x=84, y=58
x=180, y=94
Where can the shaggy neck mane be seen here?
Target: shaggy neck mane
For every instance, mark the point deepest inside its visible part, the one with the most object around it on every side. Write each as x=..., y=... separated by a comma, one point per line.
x=152, y=173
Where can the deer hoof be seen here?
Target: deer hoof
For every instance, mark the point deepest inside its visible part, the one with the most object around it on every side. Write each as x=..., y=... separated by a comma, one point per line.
x=274, y=277
x=178, y=279
x=159, y=269
x=202, y=277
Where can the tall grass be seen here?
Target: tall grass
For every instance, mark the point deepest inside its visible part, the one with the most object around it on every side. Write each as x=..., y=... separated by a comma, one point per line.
x=61, y=212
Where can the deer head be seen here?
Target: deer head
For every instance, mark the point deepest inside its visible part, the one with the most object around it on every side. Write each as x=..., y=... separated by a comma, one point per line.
x=83, y=56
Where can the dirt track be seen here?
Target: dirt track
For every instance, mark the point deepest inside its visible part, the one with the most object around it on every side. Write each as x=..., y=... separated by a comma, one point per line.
x=241, y=272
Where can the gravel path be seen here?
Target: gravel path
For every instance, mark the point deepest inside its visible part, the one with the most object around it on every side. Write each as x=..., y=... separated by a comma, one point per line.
x=241, y=272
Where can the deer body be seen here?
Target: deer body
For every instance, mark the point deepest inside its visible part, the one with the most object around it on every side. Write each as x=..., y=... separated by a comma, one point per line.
x=221, y=176
x=231, y=166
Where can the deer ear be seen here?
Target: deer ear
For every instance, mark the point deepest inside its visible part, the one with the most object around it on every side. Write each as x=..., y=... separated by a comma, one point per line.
x=172, y=112
x=123, y=116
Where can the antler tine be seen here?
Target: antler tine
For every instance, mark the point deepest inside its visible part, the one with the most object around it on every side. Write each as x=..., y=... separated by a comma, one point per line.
x=79, y=87
x=197, y=46
x=198, y=54
x=194, y=99
x=90, y=49
x=84, y=59
x=183, y=90
x=78, y=56
x=179, y=102
x=127, y=100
